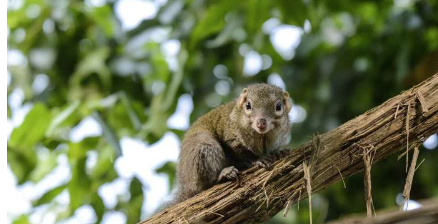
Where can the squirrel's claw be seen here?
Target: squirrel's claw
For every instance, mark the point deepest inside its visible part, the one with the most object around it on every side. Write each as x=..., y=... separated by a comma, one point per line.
x=228, y=173
x=264, y=162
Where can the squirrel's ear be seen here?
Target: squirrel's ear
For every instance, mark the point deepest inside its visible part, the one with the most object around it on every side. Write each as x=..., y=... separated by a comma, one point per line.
x=242, y=98
x=287, y=101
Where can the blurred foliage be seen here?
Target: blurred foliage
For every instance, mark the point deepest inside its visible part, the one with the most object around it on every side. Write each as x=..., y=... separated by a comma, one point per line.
x=353, y=55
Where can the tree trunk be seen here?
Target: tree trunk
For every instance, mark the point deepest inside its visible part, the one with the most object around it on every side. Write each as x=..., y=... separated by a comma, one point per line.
x=259, y=194
x=428, y=214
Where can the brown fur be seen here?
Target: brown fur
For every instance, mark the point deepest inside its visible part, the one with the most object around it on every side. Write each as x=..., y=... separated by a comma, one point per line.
x=226, y=140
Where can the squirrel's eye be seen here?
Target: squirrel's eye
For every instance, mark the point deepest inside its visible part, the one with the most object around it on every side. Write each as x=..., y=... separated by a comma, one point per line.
x=248, y=105
x=278, y=107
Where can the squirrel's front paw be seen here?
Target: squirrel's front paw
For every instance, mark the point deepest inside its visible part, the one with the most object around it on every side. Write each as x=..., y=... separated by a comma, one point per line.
x=264, y=162
x=228, y=173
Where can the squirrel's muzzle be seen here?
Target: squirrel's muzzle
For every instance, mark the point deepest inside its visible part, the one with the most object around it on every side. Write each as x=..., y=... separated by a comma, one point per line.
x=261, y=123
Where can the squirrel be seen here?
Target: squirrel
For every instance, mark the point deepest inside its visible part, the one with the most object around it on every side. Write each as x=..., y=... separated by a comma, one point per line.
x=245, y=132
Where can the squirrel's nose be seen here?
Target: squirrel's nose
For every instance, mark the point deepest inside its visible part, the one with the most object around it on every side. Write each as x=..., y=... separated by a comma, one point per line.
x=261, y=123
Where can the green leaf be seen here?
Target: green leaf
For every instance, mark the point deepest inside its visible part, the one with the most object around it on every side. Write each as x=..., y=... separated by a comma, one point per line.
x=431, y=37
x=104, y=169
x=156, y=126
x=296, y=12
x=212, y=20
x=135, y=188
x=49, y=195
x=169, y=169
x=257, y=14
x=119, y=119
x=179, y=133
x=98, y=206
x=22, y=219
x=163, y=105
x=79, y=187
x=126, y=116
x=94, y=62
x=9, y=112
x=109, y=134
x=62, y=116
x=104, y=18
x=79, y=150
x=160, y=70
x=46, y=163
x=226, y=35
x=21, y=153
x=136, y=201
x=33, y=128
x=15, y=17
x=21, y=164
x=135, y=120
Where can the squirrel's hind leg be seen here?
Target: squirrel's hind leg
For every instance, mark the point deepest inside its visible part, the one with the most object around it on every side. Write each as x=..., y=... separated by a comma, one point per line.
x=201, y=161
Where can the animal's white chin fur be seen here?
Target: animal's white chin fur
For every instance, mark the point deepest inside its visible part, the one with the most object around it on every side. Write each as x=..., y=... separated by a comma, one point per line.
x=264, y=131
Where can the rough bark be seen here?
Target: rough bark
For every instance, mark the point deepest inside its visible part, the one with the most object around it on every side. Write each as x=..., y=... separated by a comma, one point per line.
x=428, y=214
x=260, y=194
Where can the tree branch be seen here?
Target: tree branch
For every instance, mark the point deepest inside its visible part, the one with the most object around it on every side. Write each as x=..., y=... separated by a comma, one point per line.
x=260, y=194
x=427, y=214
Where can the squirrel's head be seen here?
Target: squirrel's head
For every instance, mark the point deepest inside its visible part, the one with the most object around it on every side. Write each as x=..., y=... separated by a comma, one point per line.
x=264, y=107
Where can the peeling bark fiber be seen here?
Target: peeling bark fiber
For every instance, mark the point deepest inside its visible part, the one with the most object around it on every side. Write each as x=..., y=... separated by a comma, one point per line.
x=259, y=194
